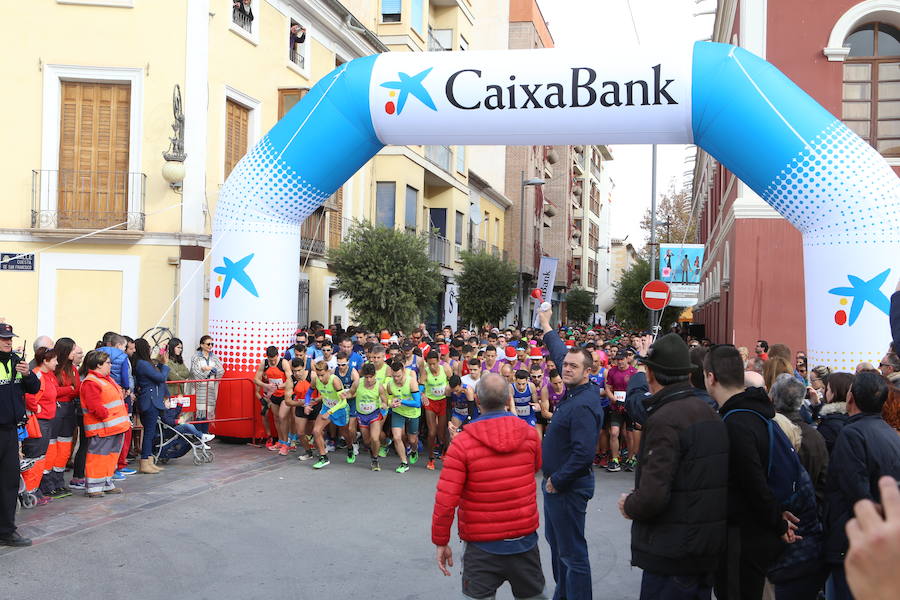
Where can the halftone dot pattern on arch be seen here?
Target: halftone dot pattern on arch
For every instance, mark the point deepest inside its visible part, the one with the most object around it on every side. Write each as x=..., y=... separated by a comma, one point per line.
x=265, y=195
x=241, y=345
x=821, y=191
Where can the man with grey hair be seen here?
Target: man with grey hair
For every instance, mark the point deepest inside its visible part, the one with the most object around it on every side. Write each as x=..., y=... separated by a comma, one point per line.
x=42, y=341
x=489, y=475
x=787, y=395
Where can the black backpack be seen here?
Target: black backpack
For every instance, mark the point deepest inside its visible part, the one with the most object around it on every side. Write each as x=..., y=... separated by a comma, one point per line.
x=784, y=471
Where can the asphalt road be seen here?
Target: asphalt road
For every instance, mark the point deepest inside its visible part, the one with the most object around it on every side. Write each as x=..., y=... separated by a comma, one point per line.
x=255, y=525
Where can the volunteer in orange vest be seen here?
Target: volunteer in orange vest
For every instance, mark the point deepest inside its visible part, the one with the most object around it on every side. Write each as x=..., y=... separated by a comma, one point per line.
x=105, y=423
x=43, y=406
x=65, y=421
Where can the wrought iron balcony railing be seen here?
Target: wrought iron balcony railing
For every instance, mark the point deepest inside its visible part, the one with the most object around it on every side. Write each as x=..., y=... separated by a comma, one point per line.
x=77, y=199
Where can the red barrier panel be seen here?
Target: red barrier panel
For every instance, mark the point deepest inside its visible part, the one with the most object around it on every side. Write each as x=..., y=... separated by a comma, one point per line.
x=228, y=404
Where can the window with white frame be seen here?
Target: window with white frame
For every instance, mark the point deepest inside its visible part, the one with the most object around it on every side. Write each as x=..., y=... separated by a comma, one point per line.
x=391, y=11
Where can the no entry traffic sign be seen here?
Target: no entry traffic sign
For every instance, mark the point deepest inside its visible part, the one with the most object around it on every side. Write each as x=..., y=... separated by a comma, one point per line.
x=656, y=295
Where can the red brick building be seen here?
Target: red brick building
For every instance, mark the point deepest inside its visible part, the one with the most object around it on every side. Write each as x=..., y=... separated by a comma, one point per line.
x=846, y=55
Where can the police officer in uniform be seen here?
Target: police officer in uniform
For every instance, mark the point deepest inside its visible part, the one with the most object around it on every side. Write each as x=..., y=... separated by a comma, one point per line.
x=15, y=380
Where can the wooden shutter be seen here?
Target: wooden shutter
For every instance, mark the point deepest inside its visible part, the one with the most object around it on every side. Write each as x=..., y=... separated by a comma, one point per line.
x=288, y=98
x=336, y=218
x=95, y=121
x=237, y=126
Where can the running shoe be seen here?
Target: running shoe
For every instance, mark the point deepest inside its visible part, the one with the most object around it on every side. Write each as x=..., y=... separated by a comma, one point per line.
x=430, y=465
x=272, y=445
x=322, y=462
x=351, y=456
x=283, y=450
x=60, y=493
x=342, y=443
x=630, y=464
x=375, y=465
x=118, y=476
x=597, y=459
x=413, y=457
x=127, y=471
x=77, y=484
x=604, y=461
x=614, y=466
x=383, y=451
x=355, y=448
x=306, y=455
x=42, y=501
x=329, y=446
x=403, y=468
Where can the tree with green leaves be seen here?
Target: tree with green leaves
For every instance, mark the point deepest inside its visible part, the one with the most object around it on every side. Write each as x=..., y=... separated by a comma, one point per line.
x=487, y=288
x=629, y=309
x=386, y=276
x=580, y=305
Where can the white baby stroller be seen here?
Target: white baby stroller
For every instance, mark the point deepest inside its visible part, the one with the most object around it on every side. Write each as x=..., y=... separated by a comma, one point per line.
x=26, y=498
x=172, y=443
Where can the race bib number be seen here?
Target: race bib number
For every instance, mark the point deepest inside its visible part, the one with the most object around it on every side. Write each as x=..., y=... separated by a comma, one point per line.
x=277, y=382
x=329, y=402
x=463, y=410
x=620, y=397
x=523, y=411
x=438, y=391
x=366, y=407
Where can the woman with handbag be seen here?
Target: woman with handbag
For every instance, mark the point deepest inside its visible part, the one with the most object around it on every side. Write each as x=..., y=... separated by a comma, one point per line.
x=152, y=392
x=40, y=408
x=206, y=365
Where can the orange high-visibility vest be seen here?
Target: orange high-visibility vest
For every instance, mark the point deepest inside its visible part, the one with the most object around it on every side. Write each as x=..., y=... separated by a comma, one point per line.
x=117, y=420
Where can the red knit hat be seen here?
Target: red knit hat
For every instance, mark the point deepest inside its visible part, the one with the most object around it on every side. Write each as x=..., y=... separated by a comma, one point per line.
x=510, y=353
x=535, y=352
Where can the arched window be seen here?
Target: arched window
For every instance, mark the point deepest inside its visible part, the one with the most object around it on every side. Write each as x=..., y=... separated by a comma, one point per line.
x=871, y=91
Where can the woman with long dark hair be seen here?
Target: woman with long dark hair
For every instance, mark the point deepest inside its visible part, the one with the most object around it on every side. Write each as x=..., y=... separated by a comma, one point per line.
x=206, y=365
x=62, y=428
x=152, y=391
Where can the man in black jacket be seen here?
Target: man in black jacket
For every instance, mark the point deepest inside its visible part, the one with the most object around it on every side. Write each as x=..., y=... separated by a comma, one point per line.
x=15, y=380
x=757, y=524
x=681, y=484
x=866, y=449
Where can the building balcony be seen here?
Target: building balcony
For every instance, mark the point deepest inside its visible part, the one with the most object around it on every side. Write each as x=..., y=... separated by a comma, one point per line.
x=479, y=246
x=242, y=20
x=70, y=199
x=595, y=171
x=297, y=58
x=439, y=250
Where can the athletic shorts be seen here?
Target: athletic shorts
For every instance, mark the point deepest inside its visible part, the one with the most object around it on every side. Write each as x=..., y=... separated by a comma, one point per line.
x=438, y=407
x=340, y=418
x=531, y=419
x=459, y=416
x=301, y=414
x=484, y=573
x=276, y=400
x=616, y=418
x=351, y=405
x=541, y=420
x=410, y=424
x=372, y=417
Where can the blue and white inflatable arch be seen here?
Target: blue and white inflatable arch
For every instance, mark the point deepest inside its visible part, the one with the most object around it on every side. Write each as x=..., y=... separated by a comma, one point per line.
x=833, y=187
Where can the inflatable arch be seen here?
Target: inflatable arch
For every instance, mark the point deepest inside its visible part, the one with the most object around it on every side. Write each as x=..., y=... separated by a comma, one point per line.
x=831, y=185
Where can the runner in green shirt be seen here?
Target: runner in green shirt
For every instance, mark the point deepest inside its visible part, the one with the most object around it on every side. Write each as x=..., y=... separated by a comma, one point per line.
x=401, y=393
x=368, y=408
x=334, y=410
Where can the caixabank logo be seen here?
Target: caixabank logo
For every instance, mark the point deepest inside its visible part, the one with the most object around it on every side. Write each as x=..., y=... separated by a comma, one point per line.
x=466, y=89
x=403, y=87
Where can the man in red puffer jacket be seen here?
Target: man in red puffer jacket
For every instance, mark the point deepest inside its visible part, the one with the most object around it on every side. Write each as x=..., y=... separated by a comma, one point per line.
x=489, y=474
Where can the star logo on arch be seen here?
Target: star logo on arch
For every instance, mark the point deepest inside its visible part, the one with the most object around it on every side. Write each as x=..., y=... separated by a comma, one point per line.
x=236, y=271
x=862, y=291
x=410, y=84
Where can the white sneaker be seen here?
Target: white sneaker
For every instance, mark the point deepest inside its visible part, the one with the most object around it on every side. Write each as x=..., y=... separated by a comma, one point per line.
x=204, y=446
x=329, y=446
x=207, y=437
x=355, y=448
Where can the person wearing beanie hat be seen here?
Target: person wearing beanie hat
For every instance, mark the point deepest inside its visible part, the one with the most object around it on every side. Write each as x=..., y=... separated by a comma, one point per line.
x=681, y=481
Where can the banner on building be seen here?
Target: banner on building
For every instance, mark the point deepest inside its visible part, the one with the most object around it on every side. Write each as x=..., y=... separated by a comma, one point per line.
x=451, y=305
x=545, y=277
x=680, y=266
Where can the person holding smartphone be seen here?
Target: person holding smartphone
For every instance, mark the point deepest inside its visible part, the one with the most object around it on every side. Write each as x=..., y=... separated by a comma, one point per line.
x=206, y=365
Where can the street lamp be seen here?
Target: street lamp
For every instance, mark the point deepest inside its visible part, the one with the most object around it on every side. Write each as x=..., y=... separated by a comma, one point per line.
x=525, y=182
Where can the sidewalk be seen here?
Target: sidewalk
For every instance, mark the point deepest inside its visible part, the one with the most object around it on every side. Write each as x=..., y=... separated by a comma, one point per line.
x=180, y=480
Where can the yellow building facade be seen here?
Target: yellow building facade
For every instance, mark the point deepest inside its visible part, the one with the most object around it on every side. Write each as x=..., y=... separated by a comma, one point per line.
x=93, y=237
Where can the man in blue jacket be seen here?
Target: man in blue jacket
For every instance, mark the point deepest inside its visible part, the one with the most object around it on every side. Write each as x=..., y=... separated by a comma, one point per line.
x=568, y=451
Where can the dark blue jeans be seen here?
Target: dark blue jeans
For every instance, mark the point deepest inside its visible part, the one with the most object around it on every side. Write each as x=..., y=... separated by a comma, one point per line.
x=149, y=418
x=564, y=514
x=676, y=587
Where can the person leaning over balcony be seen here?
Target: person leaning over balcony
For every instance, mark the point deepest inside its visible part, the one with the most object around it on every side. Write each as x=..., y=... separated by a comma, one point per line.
x=297, y=36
